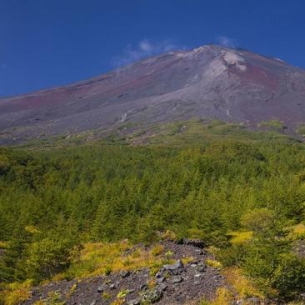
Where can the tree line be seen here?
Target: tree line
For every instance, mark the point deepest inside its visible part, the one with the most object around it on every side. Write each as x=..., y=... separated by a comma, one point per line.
x=243, y=198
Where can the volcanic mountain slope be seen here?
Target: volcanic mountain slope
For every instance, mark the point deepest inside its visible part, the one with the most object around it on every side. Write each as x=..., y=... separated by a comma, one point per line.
x=208, y=82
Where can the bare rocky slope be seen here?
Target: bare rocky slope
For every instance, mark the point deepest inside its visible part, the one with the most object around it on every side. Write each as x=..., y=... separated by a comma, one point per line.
x=175, y=283
x=207, y=82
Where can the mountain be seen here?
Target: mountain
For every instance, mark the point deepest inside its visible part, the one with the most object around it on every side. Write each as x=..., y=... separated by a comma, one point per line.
x=211, y=82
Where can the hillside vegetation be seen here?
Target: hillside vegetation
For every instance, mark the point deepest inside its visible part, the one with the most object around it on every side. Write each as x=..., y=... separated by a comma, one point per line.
x=245, y=199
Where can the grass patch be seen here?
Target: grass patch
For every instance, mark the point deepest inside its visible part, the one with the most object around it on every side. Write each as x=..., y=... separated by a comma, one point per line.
x=238, y=238
x=104, y=258
x=15, y=293
x=241, y=283
x=301, y=129
x=223, y=297
x=213, y=263
x=241, y=288
x=297, y=232
x=189, y=132
x=3, y=244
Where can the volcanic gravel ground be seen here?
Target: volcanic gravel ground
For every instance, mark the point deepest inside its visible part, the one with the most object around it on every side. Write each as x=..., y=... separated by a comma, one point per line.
x=173, y=284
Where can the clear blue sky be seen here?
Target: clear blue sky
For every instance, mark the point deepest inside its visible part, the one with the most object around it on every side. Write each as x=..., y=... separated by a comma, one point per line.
x=46, y=43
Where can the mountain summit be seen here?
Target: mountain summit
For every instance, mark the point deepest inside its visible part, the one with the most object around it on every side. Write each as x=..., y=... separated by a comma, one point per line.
x=210, y=82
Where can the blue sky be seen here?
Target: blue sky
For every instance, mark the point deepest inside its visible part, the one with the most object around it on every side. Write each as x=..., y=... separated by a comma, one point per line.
x=47, y=43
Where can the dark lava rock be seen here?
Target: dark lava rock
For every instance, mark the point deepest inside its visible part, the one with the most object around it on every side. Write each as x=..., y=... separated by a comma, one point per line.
x=201, y=268
x=101, y=289
x=160, y=279
x=153, y=295
x=125, y=274
x=194, y=242
x=253, y=301
x=177, y=279
x=159, y=274
x=175, y=266
x=162, y=286
x=199, y=251
x=143, y=287
x=113, y=286
x=134, y=302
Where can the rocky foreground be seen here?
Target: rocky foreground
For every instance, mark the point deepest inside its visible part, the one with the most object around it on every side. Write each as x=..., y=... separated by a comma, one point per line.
x=187, y=279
